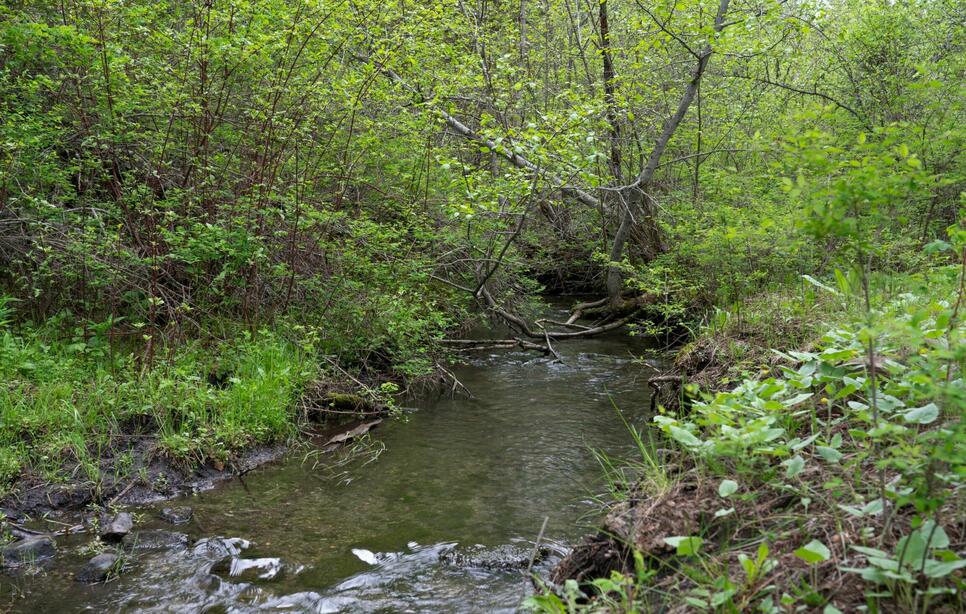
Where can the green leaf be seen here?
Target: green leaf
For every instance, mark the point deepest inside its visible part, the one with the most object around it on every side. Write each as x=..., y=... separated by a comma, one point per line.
x=922, y=415
x=936, y=537
x=814, y=552
x=792, y=402
x=727, y=488
x=819, y=284
x=686, y=546
x=941, y=569
x=797, y=445
x=794, y=466
x=842, y=281
x=829, y=455
x=912, y=548
x=873, y=508
x=870, y=552
x=684, y=437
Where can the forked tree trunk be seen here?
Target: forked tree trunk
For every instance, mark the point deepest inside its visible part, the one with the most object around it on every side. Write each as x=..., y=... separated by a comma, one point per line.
x=634, y=199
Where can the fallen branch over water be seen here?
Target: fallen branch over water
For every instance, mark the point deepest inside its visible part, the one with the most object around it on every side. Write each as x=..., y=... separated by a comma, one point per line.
x=495, y=344
x=518, y=323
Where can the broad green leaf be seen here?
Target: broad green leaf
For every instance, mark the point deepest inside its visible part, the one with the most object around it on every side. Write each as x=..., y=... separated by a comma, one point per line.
x=830, y=455
x=936, y=536
x=922, y=415
x=814, y=552
x=912, y=548
x=684, y=437
x=727, y=488
x=941, y=569
x=686, y=546
x=794, y=466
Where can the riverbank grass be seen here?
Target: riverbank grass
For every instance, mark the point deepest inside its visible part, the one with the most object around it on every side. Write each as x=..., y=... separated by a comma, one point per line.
x=71, y=402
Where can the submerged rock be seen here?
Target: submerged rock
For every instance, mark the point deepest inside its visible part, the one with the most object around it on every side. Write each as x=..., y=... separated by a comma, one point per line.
x=177, y=515
x=217, y=548
x=117, y=528
x=10, y=514
x=500, y=557
x=156, y=539
x=99, y=568
x=29, y=550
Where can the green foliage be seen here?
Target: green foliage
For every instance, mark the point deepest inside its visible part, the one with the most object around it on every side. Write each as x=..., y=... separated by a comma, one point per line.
x=281, y=185
x=75, y=399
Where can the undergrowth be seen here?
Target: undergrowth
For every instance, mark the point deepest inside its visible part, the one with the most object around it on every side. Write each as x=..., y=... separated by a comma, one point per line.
x=824, y=477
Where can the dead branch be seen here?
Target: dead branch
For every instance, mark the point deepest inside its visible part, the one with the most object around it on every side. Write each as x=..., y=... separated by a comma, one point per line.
x=564, y=324
x=521, y=325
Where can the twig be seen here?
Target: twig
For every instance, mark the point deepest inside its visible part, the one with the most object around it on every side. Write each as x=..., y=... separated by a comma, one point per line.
x=456, y=382
x=536, y=545
x=118, y=496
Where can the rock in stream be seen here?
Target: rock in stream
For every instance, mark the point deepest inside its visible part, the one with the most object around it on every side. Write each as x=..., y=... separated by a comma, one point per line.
x=29, y=550
x=177, y=515
x=115, y=530
x=99, y=568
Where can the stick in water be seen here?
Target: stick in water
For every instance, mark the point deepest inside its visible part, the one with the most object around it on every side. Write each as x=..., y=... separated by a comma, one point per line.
x=536, y=545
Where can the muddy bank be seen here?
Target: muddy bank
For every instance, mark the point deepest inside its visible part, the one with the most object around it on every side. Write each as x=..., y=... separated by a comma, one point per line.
x=155, y=479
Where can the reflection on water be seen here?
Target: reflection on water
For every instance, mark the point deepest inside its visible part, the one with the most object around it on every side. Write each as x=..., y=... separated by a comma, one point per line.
x=444, y=520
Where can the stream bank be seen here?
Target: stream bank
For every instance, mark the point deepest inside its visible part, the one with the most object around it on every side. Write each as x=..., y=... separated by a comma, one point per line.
x=816, y=476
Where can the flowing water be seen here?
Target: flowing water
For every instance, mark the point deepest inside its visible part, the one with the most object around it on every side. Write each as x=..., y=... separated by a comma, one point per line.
x=439, y=513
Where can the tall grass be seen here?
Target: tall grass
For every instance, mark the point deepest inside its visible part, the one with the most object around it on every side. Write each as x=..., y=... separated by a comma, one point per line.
x=66, y=402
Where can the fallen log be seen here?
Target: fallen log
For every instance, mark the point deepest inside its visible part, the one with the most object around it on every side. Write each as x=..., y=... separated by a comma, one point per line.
x=518, y=323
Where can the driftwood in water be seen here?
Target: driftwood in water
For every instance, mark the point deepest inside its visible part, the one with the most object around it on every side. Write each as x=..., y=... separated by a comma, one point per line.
x=353, y=433
x=516, y=322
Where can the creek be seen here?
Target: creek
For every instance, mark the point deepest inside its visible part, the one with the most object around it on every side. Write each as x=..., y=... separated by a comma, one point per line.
x=438, y=512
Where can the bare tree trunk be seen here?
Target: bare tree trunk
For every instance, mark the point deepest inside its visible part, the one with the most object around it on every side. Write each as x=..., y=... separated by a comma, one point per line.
x=609, y=103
